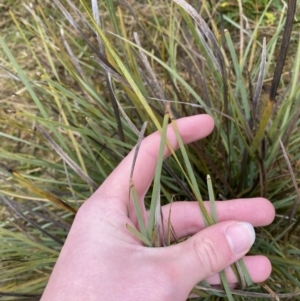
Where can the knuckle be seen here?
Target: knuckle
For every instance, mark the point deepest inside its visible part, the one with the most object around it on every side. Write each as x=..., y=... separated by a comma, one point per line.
x=206, y=251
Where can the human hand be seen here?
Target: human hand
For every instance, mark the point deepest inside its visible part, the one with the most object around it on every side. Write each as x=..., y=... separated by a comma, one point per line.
x=102, y=260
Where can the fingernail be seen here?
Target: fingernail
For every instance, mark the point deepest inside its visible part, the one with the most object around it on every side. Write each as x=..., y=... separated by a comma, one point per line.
x=240, y=237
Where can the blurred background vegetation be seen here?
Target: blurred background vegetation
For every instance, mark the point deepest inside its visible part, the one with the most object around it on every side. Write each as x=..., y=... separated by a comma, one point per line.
x=77, y=83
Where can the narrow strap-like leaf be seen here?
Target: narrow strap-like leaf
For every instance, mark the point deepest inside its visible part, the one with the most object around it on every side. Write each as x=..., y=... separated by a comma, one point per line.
x=212, y=200
x=158, y=170
x=66, y=158
x=138, y=235
x=138, y=210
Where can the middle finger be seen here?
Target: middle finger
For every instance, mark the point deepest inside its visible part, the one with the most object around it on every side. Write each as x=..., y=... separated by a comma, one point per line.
x=186, y=217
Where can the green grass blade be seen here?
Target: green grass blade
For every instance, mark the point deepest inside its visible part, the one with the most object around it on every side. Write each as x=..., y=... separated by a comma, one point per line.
x=238, y=72
x=138, y=210
x=226, y=286
x=212, y=199
x=140, y=236
x=191, y=177
x=243, y=272
x=158, y=170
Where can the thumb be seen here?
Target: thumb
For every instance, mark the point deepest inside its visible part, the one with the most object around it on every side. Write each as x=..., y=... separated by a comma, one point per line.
x=210, y=251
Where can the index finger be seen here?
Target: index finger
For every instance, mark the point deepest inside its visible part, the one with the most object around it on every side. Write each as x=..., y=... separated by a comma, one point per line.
x=116, y=186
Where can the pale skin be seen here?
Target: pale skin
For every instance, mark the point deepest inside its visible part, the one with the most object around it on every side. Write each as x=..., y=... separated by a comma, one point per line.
x=102, y=260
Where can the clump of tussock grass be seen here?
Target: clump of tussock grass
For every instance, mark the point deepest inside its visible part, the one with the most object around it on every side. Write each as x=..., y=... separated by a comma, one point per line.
x=90, y=81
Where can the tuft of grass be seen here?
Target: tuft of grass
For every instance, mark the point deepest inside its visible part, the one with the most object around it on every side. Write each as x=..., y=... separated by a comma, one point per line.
x=78, y=81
